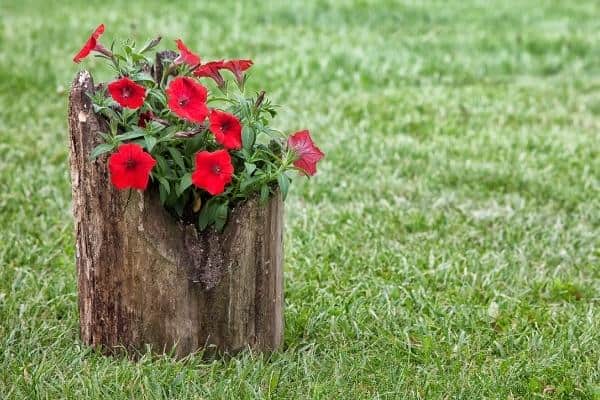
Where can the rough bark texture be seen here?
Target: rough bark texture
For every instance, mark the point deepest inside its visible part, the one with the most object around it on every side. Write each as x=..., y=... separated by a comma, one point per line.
x=146, y=279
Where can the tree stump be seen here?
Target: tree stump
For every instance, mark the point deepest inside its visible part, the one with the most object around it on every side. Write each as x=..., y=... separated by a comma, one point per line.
x=145, y=278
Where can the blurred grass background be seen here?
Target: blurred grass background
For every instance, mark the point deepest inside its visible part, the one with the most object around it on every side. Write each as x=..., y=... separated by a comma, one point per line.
x=448, y=247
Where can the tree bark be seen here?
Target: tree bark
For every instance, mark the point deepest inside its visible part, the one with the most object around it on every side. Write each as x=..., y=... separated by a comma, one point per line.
x=145, y=278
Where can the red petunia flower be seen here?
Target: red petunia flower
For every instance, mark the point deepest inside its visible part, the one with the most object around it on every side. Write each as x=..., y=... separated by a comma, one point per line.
x=130, y=167
x=238, y=67
x=226, y=128
x=187, y=99
x=213, y=171
x=211, y=70
x=307, y=154
x=185, y=55
x=127, y=93
x=144, y=118
x=92, y=45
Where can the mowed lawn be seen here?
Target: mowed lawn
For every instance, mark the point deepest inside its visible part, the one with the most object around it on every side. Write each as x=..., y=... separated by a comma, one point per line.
x=447, y=249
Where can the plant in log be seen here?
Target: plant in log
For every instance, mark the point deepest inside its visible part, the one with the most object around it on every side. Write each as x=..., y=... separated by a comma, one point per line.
x=190, y=130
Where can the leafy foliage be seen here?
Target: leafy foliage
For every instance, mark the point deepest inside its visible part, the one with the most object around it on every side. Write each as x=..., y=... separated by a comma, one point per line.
x=261, y=165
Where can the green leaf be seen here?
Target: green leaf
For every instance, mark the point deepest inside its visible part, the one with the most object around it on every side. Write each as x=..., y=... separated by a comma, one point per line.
x=207, y=214
x=137, y=57
x=141, y=142
x=126, y=113
x=221, y=216
x=177, y=157
x=114, y=124
x=150, y=44
x=184, y=183
x=101, y=149
x=142, y=76
x=98, y=108
x=275, y=146
x=134, y=134
x=158, y=95
x=215, y=211
x=163, y=194
x=263, y=138
x=165, y=183
x=155, y=127
x=162, y=164
x=264, y=193
x=284, y=184
x=150, y=142
x=250, y=168
x=117, y=55
x=163, y=167
x=246, y=154
x=249, y=182
x=106, y=137
x=248, y=137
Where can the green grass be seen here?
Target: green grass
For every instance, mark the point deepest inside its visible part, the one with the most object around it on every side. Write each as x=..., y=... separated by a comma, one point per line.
x=448, y=248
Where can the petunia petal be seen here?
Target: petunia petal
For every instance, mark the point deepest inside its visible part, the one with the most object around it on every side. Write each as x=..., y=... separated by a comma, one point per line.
x=213, y=171
x=187, y=99
x=130, y=167
x=135, y=93
x=307, y=153
x=90, y=44
x=226, y=128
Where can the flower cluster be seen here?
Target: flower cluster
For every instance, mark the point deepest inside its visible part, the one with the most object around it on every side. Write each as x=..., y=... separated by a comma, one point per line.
x=178, y=125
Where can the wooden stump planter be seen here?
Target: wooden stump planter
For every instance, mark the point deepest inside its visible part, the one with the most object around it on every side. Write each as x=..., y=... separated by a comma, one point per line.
x=145, y=278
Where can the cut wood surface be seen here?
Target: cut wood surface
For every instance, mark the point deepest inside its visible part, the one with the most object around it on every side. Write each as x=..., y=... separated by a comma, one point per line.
x=145, y=278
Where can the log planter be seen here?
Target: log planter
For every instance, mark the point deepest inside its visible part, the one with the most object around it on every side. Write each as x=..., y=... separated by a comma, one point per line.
x=146, y=279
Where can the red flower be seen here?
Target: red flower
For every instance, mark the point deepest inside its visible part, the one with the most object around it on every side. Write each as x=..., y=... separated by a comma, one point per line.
x=237, y=67
x=226, y=128
x=307, y=154
x=92, y=45
x=127, y=93
x=213, y=171
x=185, y=55
x=211, y=70
x=187, y=99
x=130, y=167
x=144, y=118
